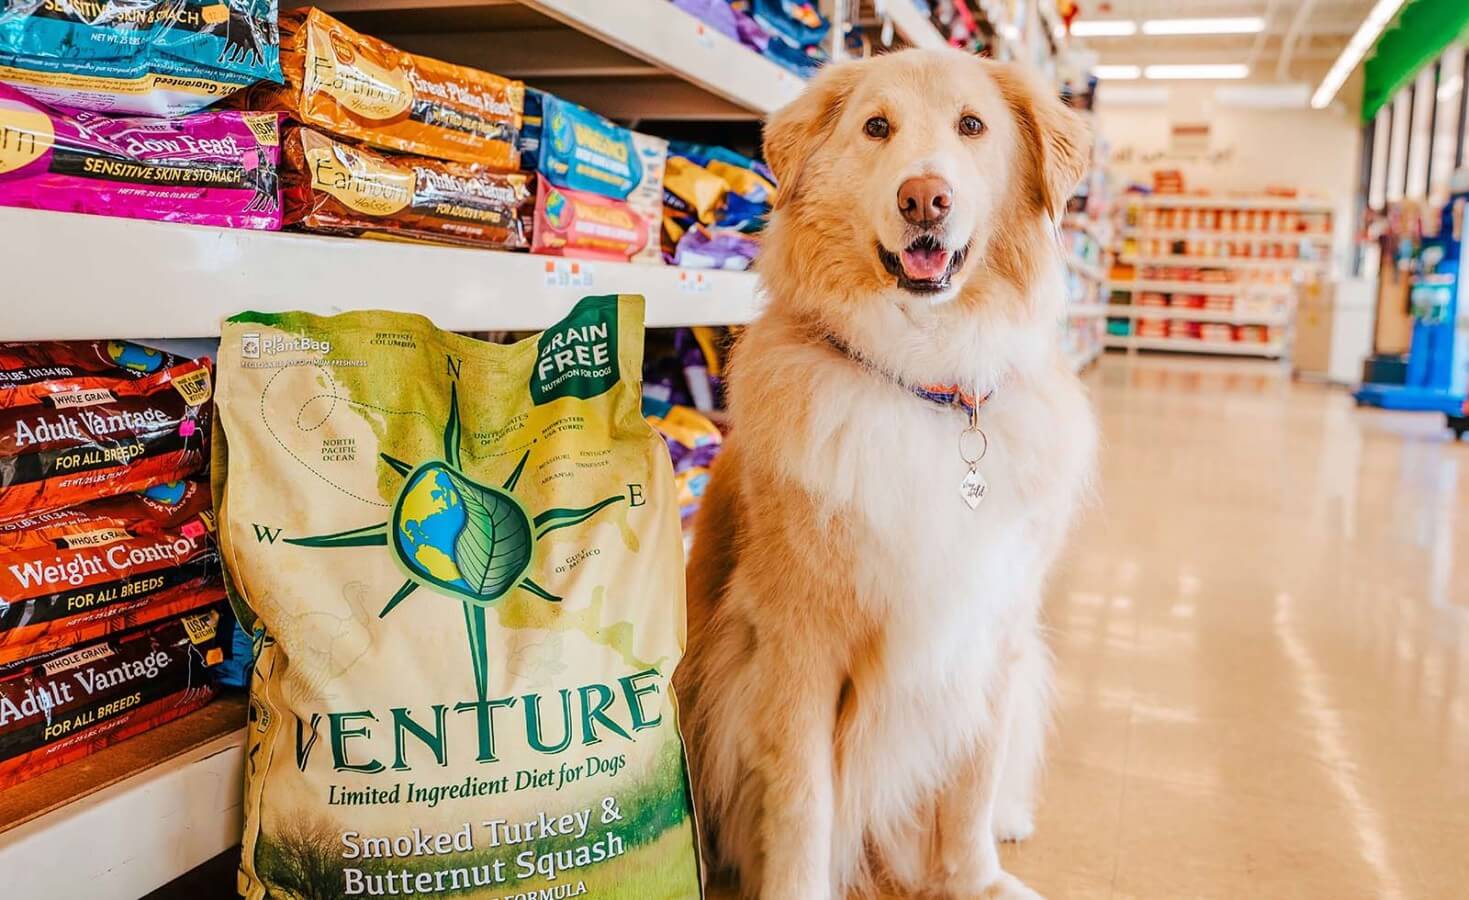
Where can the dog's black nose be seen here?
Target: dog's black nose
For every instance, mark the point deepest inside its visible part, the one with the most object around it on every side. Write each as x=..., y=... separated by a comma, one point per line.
x=925, y=200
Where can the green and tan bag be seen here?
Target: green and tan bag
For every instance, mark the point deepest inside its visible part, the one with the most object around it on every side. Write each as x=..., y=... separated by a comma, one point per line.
x=463, y=566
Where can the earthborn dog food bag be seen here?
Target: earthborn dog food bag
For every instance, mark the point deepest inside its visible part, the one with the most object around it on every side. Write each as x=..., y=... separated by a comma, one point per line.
x=333, y=186
x=144, y=57
x=362, y=88
x=77, y=574
x=71, y=440
x=32, y=370
x=467, y=564
x=211, y=168
x=64, y=705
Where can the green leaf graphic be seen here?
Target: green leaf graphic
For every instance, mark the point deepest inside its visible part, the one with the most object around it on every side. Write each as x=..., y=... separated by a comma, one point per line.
x=494, y=549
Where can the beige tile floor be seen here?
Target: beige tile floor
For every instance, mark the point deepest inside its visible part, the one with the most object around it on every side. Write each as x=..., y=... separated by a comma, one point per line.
x=1261, y=634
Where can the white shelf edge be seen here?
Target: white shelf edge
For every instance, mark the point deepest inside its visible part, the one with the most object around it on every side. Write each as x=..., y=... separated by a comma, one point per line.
x=1086, y=310
x=1189, y=345
x=913, y=25
x=1224, y=262
x=1187, y=201
x=162, y=280
x=134, y=836
x=668, y=37
x=1195, y=315
x=1199, y=287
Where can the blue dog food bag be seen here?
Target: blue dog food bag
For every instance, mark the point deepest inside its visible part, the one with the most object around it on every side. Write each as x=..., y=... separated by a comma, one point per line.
x=581, y=151
x=139, y=57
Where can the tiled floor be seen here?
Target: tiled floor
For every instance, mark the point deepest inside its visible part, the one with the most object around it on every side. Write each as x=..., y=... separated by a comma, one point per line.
x=1261, y=633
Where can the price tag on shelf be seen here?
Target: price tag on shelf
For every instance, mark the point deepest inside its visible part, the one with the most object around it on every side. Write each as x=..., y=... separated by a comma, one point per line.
x=569, y=273
x=692, y=282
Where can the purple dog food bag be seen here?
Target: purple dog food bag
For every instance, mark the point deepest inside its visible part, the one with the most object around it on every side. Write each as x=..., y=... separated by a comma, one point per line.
x=209, y=168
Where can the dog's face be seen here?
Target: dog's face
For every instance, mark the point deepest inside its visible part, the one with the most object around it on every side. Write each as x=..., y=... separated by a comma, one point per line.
x=912, y=166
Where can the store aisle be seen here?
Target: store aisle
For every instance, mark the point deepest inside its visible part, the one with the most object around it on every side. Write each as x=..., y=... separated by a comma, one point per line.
x=1261, y=634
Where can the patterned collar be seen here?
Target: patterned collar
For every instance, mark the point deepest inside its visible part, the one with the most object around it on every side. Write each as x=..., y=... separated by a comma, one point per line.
x=949, y=396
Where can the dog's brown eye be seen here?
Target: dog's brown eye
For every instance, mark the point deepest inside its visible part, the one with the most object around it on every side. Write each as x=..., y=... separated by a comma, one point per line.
x=876, y=127
x=970, y=126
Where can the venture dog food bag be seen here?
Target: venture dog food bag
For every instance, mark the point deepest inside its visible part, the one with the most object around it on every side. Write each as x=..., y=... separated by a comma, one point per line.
x=87, y=442
x=209, y=168
x=467, y=564
x=80, y=573
x=332, y=186
x=362, y=88
x=144, y=57
x=65, y=705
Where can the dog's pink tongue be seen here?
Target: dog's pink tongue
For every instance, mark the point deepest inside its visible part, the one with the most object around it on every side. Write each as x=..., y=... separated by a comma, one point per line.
x=925, y=265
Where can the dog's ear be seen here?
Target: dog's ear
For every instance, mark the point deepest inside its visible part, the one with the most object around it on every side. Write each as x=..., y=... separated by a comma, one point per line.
x=1059, y=139
x=794, y=132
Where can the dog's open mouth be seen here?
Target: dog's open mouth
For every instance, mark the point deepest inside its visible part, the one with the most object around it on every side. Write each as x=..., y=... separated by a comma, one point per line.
x=924, y=266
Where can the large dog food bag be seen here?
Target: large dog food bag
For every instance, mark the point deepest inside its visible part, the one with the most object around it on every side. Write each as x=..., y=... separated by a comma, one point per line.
x=216, y=167
x=62, y=706
x=467, y=565
x=143, y=57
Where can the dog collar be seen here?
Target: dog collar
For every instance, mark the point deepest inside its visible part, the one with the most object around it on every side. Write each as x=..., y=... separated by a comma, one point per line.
x=950, y=396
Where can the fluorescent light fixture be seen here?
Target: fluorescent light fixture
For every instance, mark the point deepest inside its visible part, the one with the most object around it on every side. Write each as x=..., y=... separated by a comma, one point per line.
x=1180, y=73
x=1103, y=28
x=1450, y=89
x=1117, y=73
x=1367, y=33
x=1242, y=25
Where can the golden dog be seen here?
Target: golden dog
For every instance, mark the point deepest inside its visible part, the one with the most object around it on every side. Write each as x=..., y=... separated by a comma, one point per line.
x=866, y=686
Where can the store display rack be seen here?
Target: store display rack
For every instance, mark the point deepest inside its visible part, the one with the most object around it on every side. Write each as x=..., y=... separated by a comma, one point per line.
x=1274, y=350
x=1222, y=288
x=1224, y=262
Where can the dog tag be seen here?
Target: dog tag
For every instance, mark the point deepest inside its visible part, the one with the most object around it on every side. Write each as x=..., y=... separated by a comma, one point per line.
x=973, y=488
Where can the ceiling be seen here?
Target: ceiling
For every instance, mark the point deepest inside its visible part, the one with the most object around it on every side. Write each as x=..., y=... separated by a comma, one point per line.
x=1300, y=41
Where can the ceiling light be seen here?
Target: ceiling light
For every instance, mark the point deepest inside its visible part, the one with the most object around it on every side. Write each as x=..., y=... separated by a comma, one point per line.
x=1103, y=28
x=1172, y=73
x=1356, y=48
x=1117, y=73
x=1243, y=25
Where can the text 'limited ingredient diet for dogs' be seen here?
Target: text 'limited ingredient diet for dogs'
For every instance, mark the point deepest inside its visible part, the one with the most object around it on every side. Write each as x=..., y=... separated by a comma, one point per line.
x=466, y=562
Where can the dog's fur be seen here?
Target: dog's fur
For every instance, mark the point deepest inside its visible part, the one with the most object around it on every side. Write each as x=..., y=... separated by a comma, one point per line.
x=866, y=687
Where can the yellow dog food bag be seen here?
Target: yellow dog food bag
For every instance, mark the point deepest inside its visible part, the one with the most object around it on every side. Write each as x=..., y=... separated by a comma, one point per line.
x=463, y=567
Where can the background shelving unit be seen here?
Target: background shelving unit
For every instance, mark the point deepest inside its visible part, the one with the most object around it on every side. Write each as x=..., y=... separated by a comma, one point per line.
x=1256, y=251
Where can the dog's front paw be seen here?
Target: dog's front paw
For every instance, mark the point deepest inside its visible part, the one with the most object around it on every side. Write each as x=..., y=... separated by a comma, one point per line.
x=1004, y=887
x=1014, y=823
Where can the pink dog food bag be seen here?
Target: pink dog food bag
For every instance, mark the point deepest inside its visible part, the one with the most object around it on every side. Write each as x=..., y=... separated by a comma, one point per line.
x=209, y=168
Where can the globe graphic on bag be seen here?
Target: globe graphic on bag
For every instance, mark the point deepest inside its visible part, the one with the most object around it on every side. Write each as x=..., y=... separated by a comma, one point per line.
x=460, y=537
x=133, y=357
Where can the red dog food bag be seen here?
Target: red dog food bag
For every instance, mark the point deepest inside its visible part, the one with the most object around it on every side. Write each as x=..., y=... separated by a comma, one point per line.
x=79, y=574
x=65, y=705
x=70, y=443
x=29, y=372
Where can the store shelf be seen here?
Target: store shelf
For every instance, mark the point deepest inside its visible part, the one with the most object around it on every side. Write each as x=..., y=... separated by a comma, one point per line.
x=1188, y=345
x=1084, y=224
x=1086, y=310
x=913, y=24
x=1188, y=201
x=1230, y=289
x=1081, y=360
x=1251, y=237
x=1223, y=262
x=611, y=56
x=1195, y=315
x=160, y=280
x=132, y=817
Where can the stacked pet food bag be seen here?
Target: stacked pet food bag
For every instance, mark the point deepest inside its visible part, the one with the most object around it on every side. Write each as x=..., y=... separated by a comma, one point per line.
x=789, y=33
x=111, y=603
